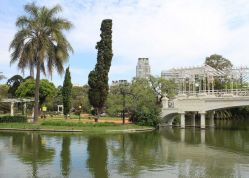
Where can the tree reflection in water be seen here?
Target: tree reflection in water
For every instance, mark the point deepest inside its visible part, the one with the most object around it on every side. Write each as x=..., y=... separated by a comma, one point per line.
x=137, y=152
x=165, y=153
x=65, y=156
x=30, y=149
x=97, y=156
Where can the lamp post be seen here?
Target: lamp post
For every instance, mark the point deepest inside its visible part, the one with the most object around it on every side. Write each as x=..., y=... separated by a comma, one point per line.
x=123, y=92
x=79, y=111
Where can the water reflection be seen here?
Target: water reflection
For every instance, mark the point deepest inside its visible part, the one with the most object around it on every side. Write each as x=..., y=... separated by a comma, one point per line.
x=136, y=152
x=208, y=153
x=97, y=157
x=165, y=153
x=29, y=148
x=65, y=155
x=235, y=140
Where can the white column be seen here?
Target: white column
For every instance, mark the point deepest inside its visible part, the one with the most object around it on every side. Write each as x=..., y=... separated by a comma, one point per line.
x=203, y=136
x=24, y=108
x=211, y=123
x=12, y=108
x=182, y=120
x=182, y=132
x=203, y=125
x=193, y=120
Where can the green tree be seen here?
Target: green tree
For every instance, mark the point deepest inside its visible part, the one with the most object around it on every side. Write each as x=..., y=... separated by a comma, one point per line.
x=218, y=62
x=40, y=42
x=27, y=89
x=145, y=109
x=162, y=88
x=13, y=83
x=119, y=99
x=98, y=78
x=67, y=93
x=80, y=98
x=4, y=92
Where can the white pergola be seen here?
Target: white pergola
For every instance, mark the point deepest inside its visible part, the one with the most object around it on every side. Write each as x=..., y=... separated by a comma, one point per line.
x=12, y=101
x=193, y=79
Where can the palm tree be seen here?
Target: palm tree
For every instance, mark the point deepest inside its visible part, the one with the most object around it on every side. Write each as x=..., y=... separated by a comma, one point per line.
x=40, y=43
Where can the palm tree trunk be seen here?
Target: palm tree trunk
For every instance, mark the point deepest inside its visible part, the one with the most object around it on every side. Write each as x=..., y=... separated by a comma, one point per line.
x=32, y=72
x=37, y=86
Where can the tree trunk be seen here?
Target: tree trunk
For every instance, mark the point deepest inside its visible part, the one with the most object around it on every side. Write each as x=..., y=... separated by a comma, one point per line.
x=37, y=86
x=97, y=113
x=31, y=72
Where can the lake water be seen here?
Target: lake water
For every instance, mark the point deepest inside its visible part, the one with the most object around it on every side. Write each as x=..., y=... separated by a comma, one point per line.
x=220, y=152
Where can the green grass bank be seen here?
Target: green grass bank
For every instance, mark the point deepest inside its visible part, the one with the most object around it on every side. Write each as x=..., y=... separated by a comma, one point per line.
x=72, y=125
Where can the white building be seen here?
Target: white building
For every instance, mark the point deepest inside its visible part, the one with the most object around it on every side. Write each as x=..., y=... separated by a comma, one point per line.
x=143, y=68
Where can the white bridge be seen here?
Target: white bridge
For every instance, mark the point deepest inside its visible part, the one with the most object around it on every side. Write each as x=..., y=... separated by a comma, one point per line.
x=200, y=102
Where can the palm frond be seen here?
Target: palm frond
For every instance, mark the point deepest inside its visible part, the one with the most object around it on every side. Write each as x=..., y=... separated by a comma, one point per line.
x=32, y=9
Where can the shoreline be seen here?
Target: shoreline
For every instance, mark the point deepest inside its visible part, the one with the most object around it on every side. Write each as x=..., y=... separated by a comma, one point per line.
x=79, y=131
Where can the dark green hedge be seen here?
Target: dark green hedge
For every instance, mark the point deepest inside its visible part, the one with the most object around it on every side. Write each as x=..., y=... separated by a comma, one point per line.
x=13, y=119
x=151, y=118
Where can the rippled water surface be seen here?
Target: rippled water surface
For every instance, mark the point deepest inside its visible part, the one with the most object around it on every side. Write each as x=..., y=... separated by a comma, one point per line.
x=165, y=153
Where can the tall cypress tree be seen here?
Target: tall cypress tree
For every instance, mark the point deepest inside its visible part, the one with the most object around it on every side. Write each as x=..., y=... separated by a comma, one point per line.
x=98, y=78
x=67, y=93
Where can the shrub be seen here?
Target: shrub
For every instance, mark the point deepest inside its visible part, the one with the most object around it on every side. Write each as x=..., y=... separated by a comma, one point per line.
x=151, y=118
x=76, y=124
x=4, y=119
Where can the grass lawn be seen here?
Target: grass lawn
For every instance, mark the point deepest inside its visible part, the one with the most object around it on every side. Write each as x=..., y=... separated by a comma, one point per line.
x=84, y=124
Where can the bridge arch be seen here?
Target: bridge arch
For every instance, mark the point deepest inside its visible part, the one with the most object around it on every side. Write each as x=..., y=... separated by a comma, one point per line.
x=213, y=108
x=169, y=118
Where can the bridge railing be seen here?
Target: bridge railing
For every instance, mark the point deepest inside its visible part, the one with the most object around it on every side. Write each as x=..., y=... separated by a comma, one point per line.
x=217, y=93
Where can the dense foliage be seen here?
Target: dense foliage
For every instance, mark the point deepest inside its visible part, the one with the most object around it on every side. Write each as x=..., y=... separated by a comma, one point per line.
x=40, y=42
x=67, y=93
x=142, y=99
x=150, y=118
x=27, y=89
x=4, y=91
x=98, y=78
x=80, y=98
x=145, y=110
x=5, y=119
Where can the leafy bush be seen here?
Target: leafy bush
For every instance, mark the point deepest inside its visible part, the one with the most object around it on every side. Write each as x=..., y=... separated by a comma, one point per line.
x=151, y=118
x=13, y=119
x=76, y=124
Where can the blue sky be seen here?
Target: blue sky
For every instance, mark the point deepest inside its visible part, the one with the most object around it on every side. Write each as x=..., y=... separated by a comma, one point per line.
x=172, y=33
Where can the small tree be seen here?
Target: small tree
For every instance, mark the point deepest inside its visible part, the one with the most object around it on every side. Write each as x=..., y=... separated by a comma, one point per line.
x=67, y=93
x=218, y=62
x=98, y=78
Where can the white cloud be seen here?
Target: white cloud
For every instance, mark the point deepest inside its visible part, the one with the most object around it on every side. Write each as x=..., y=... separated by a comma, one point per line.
x=171, y=33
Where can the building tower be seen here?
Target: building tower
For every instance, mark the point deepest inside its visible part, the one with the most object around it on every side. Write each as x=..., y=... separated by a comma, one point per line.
x=143, y=68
